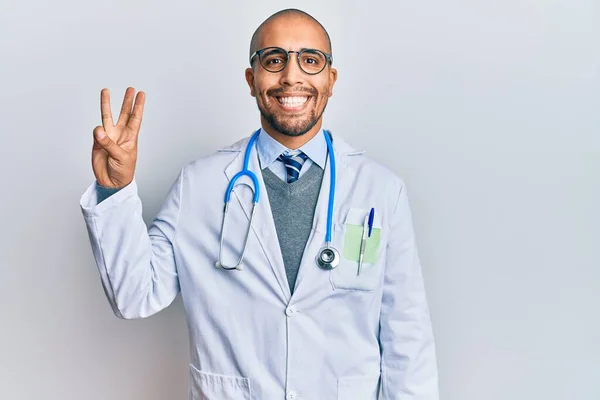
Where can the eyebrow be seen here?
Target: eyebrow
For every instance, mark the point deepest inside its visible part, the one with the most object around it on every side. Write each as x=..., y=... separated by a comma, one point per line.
x=308, y=49
x=270, y=51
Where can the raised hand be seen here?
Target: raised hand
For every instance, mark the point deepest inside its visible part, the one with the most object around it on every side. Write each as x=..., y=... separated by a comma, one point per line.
x=114, y=153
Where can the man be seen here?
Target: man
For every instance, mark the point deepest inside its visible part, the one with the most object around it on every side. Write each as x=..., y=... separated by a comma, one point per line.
x=280, y=326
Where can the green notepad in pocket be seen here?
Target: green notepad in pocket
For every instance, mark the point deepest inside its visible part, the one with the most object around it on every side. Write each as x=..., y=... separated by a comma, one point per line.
x=352, y=241
x=353, y=236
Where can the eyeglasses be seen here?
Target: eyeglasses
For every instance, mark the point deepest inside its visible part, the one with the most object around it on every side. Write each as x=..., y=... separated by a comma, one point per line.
x=275, y=59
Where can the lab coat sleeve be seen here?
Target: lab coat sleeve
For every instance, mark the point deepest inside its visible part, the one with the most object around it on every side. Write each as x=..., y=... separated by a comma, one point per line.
x=136, y=263
x=408, y=363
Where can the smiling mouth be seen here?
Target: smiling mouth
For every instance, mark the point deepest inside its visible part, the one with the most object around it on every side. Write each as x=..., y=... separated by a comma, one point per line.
x=292, y=102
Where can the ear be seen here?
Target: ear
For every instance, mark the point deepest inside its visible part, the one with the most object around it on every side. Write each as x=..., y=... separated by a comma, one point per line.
x=250, y=80
x=332, y=79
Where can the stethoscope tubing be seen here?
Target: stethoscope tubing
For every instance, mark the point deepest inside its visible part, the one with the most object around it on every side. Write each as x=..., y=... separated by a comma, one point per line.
x=256, y=189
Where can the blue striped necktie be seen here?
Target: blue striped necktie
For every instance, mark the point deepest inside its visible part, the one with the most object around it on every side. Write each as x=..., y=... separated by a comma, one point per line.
x=293, y=164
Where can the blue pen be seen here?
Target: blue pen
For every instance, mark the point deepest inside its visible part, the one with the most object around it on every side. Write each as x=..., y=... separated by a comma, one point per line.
x=371, y=218
x=367, y=226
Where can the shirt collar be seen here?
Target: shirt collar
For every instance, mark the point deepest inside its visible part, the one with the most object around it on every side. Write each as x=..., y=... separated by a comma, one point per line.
x=269, y=149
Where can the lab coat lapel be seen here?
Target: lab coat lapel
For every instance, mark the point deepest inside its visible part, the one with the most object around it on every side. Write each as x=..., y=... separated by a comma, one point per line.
x=345, y=176
x=263, y=224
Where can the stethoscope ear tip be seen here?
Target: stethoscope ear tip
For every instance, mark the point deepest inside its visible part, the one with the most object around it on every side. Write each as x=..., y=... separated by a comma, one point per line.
x=238, y=267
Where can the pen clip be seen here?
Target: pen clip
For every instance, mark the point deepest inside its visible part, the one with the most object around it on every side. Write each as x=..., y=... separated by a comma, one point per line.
x=371, y=218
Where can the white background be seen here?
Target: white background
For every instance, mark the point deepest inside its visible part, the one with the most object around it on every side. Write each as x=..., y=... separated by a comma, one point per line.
x=488, y=110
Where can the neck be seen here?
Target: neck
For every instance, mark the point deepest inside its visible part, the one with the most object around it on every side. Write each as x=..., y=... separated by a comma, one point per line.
x=292, y=142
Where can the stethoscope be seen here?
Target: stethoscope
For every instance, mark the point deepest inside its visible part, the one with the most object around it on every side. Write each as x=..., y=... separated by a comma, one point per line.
x=328, y=256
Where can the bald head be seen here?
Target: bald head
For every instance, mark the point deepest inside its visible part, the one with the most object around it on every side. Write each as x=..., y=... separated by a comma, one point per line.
x=287, y=13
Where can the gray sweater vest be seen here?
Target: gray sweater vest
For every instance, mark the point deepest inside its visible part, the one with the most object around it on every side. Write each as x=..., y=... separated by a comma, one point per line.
x=293, y=208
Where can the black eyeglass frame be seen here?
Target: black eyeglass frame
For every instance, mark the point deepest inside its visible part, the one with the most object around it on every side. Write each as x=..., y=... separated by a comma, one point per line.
x=328, y=58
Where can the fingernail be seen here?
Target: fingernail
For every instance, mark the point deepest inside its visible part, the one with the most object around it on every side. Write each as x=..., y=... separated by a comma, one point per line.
x=101, y=134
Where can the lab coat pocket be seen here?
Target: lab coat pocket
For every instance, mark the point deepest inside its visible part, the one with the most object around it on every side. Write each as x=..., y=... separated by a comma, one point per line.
x=208, y=386
x=346, y=276
x=359, y=387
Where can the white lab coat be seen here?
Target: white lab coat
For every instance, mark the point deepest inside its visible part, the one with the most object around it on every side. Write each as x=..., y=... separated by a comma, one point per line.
x=340, y=336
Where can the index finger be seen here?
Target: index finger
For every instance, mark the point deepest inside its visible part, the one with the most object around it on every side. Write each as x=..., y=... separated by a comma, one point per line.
x=107, y=120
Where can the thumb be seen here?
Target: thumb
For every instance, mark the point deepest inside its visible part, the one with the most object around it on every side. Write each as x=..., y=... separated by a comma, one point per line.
x=107, y=144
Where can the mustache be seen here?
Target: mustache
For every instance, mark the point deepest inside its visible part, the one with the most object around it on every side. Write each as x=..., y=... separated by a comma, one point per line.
x=282, y=91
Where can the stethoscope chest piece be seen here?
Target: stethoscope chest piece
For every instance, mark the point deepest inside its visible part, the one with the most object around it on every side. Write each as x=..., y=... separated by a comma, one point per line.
x=328, y=257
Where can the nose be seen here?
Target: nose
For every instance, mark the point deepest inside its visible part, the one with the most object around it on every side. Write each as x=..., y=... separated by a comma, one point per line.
x=292, y=74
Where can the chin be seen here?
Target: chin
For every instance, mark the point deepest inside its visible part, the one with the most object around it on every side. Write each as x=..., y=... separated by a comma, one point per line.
x=295, y=128
x=291, y=124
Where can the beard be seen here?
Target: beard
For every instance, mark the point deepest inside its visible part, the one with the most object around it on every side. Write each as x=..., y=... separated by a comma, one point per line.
x=290, y=126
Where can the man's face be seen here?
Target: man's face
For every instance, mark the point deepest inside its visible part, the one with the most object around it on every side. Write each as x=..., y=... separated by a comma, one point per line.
x=291, y=101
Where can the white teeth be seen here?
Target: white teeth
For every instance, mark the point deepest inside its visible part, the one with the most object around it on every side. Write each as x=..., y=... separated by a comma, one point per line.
x=292, y=101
